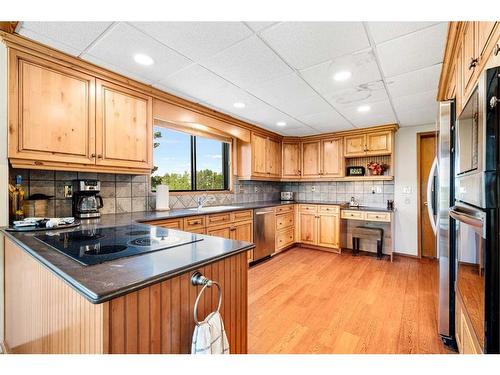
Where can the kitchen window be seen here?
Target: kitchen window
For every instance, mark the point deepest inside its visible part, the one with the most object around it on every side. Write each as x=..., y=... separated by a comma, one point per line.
x=187, y=162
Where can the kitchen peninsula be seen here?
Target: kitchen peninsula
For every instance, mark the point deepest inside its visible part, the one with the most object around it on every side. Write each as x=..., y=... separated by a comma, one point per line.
x=137, y=304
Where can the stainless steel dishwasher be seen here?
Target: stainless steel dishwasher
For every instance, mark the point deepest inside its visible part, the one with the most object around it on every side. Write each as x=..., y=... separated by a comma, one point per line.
x=264, y=232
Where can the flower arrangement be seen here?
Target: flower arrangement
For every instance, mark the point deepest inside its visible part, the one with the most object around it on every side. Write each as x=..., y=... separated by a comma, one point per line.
x=377, y=169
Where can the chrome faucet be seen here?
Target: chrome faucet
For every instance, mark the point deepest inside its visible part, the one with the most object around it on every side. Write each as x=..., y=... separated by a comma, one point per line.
x=353, y=203
x=202, y=199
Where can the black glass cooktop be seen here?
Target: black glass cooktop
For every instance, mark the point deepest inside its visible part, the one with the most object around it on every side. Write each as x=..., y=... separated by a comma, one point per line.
x=98, y=245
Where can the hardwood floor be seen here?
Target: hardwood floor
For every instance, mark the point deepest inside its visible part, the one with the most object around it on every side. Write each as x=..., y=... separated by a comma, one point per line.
x=310, y=301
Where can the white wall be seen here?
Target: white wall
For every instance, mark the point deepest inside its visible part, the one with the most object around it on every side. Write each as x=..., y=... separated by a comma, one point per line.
x=406, y=177
x=4, y=172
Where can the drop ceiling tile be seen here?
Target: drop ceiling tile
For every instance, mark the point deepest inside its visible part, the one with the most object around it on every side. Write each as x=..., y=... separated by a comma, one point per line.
x=196, y=40
x=298, y=132
x=421, y=80
x=259, y=25
x=247, y=63
x=119, y=45
x=383, y=31
x=424, y=100
x=361, y=94
x=116, y=69
x=362, y=66
x=381, y=113
x=74, y=35
x=416, y=116
x=303, y=44
x=326, y=120
x=413, y=51
x=290, y=94
x=49, y=42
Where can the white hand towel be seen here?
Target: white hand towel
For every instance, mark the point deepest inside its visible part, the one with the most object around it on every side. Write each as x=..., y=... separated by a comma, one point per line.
x=210, y=337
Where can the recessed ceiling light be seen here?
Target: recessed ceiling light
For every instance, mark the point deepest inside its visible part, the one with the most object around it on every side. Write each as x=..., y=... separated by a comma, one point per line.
x=239, y=105
x=281, y=123
x=364, y=108
x=343, y=75
x=143, y=59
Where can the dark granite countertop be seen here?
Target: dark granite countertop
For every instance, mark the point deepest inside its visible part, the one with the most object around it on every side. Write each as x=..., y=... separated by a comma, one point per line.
x=102, y=282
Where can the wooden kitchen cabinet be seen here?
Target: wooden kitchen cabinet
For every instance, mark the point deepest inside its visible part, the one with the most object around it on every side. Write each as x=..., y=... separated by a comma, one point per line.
x=223, y=231
x=320, y=226
x=308, y=228
x=291, y=160
x=469, y=56
x=368, y=144
x=273, y=157
x=355, y=145
x=243, y=231
x=259, y=154
x=332, y=160
x=328, y=236
x=259, y=159
x=124, y=127
x=51, y=112
x=311, y=159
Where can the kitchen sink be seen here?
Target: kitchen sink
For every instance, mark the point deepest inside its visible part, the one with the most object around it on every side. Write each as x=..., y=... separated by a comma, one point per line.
x=214, y=208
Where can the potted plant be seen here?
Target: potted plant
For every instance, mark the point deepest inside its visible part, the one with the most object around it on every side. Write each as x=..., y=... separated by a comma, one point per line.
x=377, y=169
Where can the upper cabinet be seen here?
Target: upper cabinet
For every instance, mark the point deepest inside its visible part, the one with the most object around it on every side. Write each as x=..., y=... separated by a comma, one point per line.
x=124, y=127
x=332, y=159
x=368, y=144
x=311, y=159
x=61, y=118
x=51, y=112
x=291, y=160
x=260, y=159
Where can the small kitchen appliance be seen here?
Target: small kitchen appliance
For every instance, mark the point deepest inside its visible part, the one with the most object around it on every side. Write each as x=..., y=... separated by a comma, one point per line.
x=287, y=196
x=86, y=199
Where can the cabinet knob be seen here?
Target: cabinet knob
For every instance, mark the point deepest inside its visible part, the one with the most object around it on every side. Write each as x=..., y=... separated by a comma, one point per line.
x=473, y=63
x=496, y=50
x=92, y=156
x=99, y=156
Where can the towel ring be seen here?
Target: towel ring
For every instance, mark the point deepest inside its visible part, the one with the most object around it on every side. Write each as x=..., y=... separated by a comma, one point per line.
x=198, y=279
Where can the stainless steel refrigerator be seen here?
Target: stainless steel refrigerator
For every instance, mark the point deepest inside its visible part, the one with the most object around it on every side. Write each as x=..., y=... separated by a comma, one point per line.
x=444, y=198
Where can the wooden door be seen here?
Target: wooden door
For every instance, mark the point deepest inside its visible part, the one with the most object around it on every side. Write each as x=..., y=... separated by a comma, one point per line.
x=291, y=160
x=124, y=130
x=355, y=145
x=311, y=159
x=259, y=153
x=308, y=228
x=222, y=231
x=328, y=230
x=469, y=55
x=332, y=159
x=484, y=30
x=273, y=157
x=427, y=154
x=51, y=111
x=379, y=143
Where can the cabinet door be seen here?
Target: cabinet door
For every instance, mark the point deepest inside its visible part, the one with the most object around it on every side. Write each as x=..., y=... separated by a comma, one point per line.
x=224, y=232
x=242, y=231
x=124, y=127
x=484, y=30
x=332, y=159
x=51, y=112
x=469, y=54
x=291, y=160
x=273, y=157
x=311, y=159
x=328, y=230
x=259, y=151
x=308, y=228
x=451, y=89
x=355, y=145
x=379, y=143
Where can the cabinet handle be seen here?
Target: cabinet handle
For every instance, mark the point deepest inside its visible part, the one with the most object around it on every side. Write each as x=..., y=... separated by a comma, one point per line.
x=38, y=163
x=99, y=156
x=473, y=63
x=496, y=50
x=92, y=156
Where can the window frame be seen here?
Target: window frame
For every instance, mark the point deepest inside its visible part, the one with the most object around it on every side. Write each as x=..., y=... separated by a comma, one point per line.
x=226, y=164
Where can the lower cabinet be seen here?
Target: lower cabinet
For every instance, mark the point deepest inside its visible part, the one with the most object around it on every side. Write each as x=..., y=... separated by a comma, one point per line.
x=467, y=341
x=320, y=225
x=285, y=227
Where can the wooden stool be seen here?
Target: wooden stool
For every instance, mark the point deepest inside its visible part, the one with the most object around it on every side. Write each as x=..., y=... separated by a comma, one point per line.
x=368, y=233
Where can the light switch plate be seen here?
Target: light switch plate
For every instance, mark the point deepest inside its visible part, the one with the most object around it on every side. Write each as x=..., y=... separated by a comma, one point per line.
x=313, y=188
x=68, y=190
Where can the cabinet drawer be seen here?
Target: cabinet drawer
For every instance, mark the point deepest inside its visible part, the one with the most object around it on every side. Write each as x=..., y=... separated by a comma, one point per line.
x=283, y=209
x=217, y=219
x=241, y=215
x=284, y=238
x=194, y=222
x=353, y=215
x=328, y=209
x=378, y=216
x=198, y=231
x=285, y=220
x=171, y=224
x=308, y=208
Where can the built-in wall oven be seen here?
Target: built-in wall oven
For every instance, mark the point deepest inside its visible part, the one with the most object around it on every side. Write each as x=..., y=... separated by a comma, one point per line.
x=476, y=210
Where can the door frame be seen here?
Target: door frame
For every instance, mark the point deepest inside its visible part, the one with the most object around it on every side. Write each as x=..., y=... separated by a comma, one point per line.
x=419, y=216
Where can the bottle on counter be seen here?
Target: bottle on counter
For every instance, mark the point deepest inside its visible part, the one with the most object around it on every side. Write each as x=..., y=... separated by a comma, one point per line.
x=17, y=199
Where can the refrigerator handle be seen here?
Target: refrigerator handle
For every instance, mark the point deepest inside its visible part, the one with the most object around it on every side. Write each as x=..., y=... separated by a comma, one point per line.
x=431, y=191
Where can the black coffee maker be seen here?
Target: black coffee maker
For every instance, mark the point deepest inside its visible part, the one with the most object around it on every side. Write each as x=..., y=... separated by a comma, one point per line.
x=86, y=199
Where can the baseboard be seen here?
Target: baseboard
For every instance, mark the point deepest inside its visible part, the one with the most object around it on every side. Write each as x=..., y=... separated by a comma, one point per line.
x=407, y=255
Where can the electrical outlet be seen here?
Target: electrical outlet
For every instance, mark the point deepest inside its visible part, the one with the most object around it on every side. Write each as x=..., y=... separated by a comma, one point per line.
x=68, y=190
x=313, y=188
x=255, y=189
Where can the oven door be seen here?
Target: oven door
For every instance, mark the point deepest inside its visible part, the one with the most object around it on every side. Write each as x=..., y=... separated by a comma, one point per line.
x=470, y=280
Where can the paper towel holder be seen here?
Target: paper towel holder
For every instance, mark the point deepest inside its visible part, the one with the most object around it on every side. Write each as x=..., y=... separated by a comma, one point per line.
x=162, y=197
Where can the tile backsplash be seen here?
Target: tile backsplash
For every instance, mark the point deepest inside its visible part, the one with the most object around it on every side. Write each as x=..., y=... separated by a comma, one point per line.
x=131, y=193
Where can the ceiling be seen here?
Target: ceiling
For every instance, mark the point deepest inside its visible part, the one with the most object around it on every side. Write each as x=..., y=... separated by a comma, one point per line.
x=281, y=71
